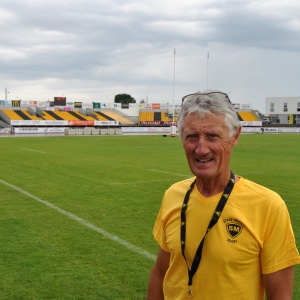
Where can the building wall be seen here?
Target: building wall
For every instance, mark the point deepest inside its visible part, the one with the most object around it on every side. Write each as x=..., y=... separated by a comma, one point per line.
x=282, y=105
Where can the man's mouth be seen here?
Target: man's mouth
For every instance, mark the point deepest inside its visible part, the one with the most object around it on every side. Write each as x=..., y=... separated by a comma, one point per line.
x=204, y=161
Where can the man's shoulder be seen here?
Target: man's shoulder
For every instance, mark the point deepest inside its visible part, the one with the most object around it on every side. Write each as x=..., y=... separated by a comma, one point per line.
x=256, y=187
x=258, y=192
x=182, y=185
x=178, y=189
x=174, y=195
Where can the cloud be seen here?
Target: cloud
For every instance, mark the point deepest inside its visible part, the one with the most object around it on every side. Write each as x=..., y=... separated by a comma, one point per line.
x=95, y=49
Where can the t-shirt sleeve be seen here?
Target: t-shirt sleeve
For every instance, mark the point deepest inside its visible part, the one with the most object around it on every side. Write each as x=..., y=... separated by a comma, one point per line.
x=279, y=248
x=159, y=230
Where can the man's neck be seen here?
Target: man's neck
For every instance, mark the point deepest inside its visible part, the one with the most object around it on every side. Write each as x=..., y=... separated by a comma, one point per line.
x=212, y=187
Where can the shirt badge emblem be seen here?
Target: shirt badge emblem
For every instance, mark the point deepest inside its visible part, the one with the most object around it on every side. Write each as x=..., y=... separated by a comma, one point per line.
x=234, y=229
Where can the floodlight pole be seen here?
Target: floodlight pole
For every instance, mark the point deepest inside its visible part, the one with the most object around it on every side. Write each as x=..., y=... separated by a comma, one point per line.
x=6, y=92
x=174, y=85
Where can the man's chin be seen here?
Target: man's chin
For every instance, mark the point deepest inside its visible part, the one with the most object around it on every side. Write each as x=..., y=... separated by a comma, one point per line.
x=203, y=174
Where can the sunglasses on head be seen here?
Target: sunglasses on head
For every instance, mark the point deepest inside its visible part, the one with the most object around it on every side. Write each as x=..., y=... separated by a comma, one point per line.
x=200, y=94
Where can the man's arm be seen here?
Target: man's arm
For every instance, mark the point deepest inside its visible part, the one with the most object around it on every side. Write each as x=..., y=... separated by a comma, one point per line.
x=279, y=285
x=155, y=286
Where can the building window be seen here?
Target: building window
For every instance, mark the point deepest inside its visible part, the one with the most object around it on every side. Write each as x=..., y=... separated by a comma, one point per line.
x=271, y=107
x=285, y=107
x=298, y=106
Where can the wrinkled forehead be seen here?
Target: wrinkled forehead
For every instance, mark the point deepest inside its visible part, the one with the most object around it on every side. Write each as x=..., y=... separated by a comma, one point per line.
x=200, y=116
x=198, y=121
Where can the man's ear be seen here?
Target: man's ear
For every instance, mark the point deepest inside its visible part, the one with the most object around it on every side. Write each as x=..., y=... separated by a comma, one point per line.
x=236, y=137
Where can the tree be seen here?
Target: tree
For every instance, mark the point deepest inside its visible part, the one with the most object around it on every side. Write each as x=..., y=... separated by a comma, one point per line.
x=124, y=98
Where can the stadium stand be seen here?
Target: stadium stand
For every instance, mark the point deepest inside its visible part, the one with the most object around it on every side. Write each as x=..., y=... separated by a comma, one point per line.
x=76, y=115
x=80, y=116
x=19, y=114
x=22, y=115
x=68, y=115
x=11, y=114
x=165, y=117
x=103, y=117
x=114, y=116
x=53, y=115
x=248, y=116
x=240, y=118
x=145, y=116
x=150, y=116
x=47, y=116
x=32, y=117
x=99, y=116
x=65, y=115
x=107, y=115
x=157, y=116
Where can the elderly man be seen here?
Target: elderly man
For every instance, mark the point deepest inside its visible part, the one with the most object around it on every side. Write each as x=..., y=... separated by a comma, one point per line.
x=221, y=236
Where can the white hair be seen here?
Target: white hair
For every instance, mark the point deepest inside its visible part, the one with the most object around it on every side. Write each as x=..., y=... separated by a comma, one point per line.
x=210, y=102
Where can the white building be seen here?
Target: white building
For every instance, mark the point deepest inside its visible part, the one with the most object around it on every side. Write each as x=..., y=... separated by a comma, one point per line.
x=284, y=109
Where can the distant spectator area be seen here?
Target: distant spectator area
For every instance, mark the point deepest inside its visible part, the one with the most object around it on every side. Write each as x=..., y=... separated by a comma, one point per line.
x=76, y=115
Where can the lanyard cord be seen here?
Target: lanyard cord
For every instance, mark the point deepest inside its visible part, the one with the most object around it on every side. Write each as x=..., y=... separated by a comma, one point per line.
x=214, y=220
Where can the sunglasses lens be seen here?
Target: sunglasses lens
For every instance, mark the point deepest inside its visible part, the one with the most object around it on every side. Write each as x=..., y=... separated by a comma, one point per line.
x=225, y=95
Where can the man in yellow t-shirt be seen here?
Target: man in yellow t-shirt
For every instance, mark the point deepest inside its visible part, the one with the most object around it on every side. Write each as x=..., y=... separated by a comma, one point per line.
x=220, y=236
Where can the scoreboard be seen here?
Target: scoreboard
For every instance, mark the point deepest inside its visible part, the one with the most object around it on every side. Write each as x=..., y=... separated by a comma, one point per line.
x=60, y=101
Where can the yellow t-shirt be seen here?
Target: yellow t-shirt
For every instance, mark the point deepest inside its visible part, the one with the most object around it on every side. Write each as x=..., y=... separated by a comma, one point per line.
x=252, y=237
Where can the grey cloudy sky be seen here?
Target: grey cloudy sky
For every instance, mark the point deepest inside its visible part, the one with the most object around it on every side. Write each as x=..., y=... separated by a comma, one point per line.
x=92, y=50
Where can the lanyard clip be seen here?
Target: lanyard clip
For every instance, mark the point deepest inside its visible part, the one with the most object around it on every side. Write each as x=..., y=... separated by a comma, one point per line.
x=190, y=291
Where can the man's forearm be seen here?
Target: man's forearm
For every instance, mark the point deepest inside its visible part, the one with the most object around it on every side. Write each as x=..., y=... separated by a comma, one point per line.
x=155, y=287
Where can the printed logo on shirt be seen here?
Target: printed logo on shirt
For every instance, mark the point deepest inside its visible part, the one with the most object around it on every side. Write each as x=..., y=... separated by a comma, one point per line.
x=233, y=228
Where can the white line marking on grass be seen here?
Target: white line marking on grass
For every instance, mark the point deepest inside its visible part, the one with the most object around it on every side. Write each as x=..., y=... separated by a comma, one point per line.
x=32, y=150
x=85, y=223
x=184, y=175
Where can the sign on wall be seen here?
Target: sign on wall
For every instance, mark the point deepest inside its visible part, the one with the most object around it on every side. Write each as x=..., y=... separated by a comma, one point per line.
x=16, y=103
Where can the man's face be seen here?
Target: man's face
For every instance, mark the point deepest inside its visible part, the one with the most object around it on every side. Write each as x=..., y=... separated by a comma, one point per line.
x=207, y=145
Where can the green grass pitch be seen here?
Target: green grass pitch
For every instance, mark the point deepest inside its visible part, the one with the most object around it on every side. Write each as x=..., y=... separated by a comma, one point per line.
x=77, y=212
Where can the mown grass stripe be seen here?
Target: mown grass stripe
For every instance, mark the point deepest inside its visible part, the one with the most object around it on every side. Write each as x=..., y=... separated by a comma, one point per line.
x=142, y=182
x=161, y=171
x=85, y=223
x=32, y=150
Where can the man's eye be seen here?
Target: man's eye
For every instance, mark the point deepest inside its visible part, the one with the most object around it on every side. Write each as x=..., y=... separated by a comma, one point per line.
x=192, y=138
x=212, y=135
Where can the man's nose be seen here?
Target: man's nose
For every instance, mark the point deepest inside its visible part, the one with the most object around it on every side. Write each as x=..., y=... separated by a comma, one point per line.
x=202, y=147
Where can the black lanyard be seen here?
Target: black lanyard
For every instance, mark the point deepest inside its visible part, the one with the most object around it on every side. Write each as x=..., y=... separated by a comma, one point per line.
x=214, y=220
